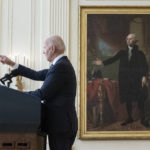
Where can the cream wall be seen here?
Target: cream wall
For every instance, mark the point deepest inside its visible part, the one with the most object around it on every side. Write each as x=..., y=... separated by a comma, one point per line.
x=24, y=24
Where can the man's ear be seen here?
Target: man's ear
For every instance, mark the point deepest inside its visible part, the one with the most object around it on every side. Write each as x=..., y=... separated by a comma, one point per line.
x=53, y=49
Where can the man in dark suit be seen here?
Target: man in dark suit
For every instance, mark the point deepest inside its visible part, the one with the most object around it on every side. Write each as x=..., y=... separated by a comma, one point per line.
x=133, y=69
x=58, y=91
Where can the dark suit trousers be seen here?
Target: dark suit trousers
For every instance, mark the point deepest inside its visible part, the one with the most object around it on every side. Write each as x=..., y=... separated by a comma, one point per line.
x=61, y=141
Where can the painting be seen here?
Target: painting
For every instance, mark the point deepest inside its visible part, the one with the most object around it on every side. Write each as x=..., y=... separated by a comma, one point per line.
x=114, y=97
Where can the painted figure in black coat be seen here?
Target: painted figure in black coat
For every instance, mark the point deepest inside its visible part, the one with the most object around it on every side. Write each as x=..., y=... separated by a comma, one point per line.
x=133, y=69
x=58, y=91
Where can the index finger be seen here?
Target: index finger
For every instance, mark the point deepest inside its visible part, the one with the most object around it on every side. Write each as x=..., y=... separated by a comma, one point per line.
x=1, y=57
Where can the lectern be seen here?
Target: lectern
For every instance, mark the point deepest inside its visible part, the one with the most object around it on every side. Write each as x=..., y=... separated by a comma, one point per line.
x=20, y=118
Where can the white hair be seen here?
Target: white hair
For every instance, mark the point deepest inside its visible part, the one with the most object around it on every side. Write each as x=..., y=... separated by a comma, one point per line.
x=57, y=42
x=133, y=35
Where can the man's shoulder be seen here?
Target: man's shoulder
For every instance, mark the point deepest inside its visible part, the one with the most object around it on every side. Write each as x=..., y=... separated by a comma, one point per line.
x=140, y=52
x=64, y=61
x=62, y=66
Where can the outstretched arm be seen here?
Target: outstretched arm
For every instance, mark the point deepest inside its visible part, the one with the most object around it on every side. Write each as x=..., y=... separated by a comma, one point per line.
x=112, y=59
x=108, y=61
x=24, y=71
x=32, y=74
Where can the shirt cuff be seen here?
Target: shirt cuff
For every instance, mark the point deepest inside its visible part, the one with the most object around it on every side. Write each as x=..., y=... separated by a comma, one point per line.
x=15, y=66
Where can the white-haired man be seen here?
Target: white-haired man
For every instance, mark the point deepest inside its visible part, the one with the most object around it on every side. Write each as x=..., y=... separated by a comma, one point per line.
x=58, y=91
x=133, y=69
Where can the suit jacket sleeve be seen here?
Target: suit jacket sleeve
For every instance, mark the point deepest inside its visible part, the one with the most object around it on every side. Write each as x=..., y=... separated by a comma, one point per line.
x=53, y=84
x=112, y=59
x=32, y=74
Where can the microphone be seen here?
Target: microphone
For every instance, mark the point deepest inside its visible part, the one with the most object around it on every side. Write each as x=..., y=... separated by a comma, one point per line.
x=8, y=77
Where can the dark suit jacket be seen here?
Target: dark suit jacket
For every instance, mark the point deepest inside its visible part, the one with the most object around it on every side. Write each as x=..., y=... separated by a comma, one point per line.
x=130, y=73
x=59, y=91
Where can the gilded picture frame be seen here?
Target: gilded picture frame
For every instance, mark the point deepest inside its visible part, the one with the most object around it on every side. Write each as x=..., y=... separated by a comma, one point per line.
x=87, y=13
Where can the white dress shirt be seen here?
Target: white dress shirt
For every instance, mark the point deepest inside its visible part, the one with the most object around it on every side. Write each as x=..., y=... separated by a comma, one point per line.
x=129, y=52
x=57, y=58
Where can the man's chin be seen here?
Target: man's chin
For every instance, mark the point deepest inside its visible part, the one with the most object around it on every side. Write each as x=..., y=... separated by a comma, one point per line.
x=49, y=60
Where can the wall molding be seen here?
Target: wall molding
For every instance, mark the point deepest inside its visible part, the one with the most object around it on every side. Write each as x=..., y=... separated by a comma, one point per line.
x=114, y=2
x=32, y=40
x=74, y=51
x=32, y=33
x=59, y=20
x=44, y=18
x=44, y=29
x=0, y=24
x=10, y=26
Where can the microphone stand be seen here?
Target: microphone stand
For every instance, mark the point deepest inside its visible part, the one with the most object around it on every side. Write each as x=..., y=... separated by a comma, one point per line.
x=8, y=77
